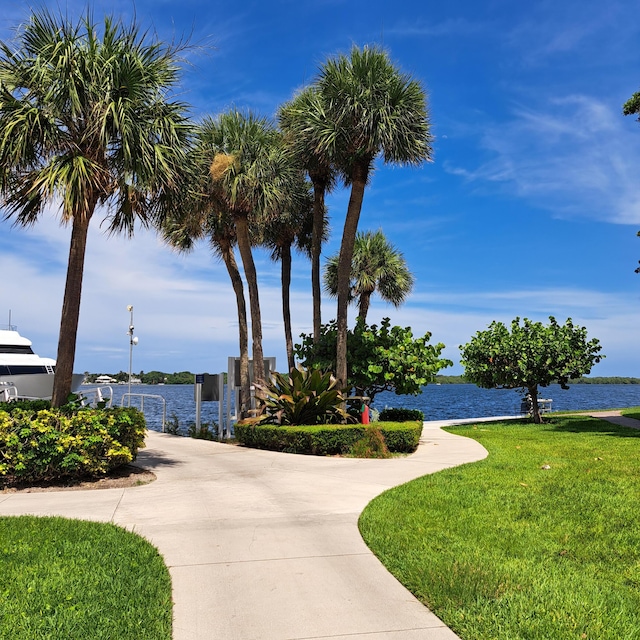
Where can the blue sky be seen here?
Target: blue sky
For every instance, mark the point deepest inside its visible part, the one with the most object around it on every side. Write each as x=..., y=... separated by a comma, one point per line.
x=530, y=208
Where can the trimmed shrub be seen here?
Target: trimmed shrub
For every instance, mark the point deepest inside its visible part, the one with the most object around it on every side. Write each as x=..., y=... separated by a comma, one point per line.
x=48, y=445
x=401, y=437
x=326, y=440
x=401, y=415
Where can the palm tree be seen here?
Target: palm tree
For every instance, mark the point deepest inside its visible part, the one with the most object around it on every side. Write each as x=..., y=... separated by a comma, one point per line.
x=375, y=111
x=304, y=123
x=205, y=216
x=251, y=175
x=376, y=266
x=292, y=227
x=85, y=122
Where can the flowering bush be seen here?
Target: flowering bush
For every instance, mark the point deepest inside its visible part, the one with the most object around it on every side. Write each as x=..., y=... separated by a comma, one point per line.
x=45, y=444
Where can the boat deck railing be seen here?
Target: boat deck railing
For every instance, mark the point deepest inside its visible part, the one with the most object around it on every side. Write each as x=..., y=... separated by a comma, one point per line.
x=126, y=397
x=8, y=392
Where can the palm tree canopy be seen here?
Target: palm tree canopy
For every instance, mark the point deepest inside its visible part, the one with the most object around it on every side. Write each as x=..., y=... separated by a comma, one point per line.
x=306, y=126
x=374, y=109
x=376, y=266
x=250, y=169
x=292, y=224
x=85, y=121
x=204, y=212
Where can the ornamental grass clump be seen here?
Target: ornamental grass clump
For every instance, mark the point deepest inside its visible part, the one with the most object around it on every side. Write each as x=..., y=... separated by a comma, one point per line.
x=371, y=445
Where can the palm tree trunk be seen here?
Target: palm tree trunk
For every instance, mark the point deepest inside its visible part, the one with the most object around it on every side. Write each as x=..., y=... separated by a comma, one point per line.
x=316, y=248
x=358, y=182
x=70, y=310
x=286, y=303
x=226, y=251
x=244, y=245
x=363, y=305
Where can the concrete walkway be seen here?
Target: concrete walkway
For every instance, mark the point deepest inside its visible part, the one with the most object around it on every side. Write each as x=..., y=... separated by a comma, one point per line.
x=264, y=545
x=616, y=418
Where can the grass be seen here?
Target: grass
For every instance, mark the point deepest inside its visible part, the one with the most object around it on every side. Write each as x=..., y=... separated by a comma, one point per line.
x=632, y=412
x=508, y=549
x=76, y=580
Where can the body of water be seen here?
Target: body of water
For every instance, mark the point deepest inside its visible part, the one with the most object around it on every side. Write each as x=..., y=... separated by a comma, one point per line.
x=438, y=402
x=452, y=401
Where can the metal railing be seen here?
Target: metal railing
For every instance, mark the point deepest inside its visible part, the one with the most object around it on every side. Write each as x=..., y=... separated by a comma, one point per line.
x=93, y=397
x=142, y=397
x=8, y=392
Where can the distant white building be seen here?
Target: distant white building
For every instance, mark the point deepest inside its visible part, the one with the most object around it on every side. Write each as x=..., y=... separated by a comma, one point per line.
x=106, y=380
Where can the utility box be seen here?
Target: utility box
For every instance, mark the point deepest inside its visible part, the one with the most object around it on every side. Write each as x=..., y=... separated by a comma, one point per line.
x=210, y=390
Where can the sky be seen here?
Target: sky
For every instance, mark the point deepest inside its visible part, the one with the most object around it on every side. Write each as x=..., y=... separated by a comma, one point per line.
x=530, y=208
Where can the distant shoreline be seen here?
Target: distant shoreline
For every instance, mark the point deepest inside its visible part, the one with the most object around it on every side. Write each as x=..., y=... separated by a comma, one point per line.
x=186, y=377
x=594, y=380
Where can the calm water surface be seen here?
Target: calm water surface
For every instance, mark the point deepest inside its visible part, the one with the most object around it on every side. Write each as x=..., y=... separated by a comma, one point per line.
x=438, y=402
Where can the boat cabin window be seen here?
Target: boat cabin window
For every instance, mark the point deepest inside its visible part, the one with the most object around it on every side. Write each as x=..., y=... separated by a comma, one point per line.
x=10, y=348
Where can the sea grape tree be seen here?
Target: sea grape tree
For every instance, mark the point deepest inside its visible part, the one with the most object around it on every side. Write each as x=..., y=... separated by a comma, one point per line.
x=380, y=358
x=528, y=356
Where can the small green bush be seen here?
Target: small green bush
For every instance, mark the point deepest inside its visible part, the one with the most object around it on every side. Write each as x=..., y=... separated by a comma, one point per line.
x=29, y=405
x=401, y=415
x=43, y=445
x=326, y=440
x=207, y=431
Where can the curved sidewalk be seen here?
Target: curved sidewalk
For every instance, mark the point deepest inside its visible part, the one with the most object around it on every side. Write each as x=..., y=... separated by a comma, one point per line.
x=263, y=545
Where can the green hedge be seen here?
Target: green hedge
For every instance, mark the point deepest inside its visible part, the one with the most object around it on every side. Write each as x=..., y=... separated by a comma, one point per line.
x=49, y=444
x=401, y=415
x=327, y=440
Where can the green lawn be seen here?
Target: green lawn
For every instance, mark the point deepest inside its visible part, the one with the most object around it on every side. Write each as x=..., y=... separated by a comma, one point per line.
x=632, y=412
x=69, y=579
x=506, y=549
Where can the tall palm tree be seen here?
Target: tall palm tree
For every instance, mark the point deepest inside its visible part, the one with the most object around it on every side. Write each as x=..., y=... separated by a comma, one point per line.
x=375, y=111
x=305, y=125
x=251, y=175
x=376, y=266
x=293, y=227
x=85, y=122
x=204, y=216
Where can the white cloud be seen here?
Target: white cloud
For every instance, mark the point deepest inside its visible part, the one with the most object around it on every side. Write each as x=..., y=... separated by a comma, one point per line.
x=574, y=155
x=445, y=28
x=185, y=313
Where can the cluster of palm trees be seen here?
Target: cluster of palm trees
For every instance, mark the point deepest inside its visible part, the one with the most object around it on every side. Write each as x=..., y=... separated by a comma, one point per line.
x=87, y=121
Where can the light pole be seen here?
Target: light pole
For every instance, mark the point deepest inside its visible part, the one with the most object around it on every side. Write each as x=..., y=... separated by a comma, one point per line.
x=132, y=341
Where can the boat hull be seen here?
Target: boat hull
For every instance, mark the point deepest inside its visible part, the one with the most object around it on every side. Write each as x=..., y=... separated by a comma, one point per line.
x=38, y=385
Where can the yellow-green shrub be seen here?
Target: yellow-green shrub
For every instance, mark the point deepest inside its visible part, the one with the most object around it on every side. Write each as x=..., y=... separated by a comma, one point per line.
x=47, y=444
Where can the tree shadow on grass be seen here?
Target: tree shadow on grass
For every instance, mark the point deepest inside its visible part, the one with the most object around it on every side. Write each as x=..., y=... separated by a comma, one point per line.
x=587, y=424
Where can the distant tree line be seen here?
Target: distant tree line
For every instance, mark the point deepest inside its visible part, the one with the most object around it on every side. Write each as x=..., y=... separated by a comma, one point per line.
x=186, y=377
x=152, y=377
x=440, y=379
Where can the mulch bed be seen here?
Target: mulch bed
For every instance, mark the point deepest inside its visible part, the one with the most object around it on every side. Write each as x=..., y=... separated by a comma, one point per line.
x=122, y=477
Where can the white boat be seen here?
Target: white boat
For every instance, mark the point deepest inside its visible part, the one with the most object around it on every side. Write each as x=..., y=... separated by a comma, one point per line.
x=30, y=374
